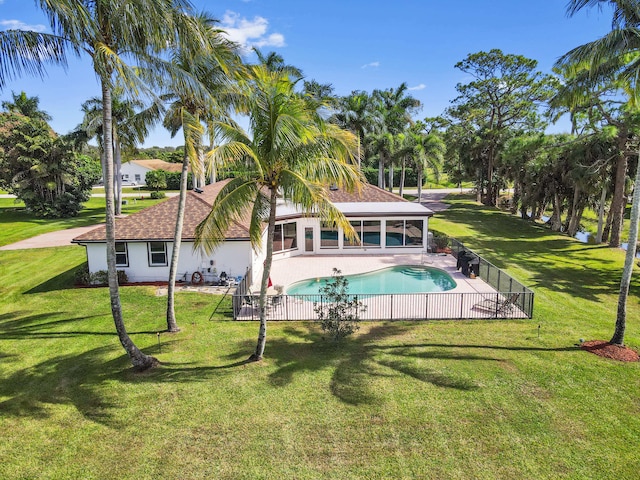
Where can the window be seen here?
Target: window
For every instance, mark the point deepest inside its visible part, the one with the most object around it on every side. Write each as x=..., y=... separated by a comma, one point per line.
x=368, y=232
x=357, y=226
x=157, y=254
x=285, y=237
x=404, y=233
x=122, y=255
x=328, y=236
x=413, y=233
x=137, y=177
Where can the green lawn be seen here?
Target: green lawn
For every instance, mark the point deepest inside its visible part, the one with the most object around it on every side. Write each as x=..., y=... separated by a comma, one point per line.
x=401, y=400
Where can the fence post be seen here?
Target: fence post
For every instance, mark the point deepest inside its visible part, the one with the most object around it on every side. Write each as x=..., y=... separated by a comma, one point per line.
x=426, y=307
x=392, y=306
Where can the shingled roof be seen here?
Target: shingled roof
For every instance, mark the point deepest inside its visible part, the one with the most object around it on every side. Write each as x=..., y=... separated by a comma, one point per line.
x=368, y=193
x=158, y=222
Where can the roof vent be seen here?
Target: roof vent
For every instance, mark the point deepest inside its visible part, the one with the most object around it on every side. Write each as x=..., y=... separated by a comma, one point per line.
x=333, y=187
x=198, y=190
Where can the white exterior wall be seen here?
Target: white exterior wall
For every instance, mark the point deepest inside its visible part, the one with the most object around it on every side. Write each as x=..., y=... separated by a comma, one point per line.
x=231, y=257
x=132, y=169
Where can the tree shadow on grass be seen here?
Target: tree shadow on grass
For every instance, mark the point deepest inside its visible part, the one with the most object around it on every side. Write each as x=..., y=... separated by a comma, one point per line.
x=555, y=262
x=63, y=281
x=357, y=361
x=21, y=325
x=63, y=379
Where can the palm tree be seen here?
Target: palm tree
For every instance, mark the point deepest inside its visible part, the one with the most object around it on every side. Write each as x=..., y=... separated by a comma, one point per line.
x=207, y=97
x=27, y=106
x=614, y=58
x=274, y=62
x=27, y=53
x=428, y=152
x=131, y=126
x=357, y=115
x=110, y=31
x=290, y=153
x=395, y=108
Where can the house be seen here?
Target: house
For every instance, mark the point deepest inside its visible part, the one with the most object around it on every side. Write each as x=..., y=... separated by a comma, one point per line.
x=135, y=171
x=385, y=223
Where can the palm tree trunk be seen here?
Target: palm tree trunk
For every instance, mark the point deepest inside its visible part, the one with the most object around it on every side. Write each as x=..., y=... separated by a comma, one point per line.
x=138, y=359
x=381, y=172
x=629, y=260
x=402, y=173
x=618, y=202
x=262, y=333
x=391, y=176
x=420, y=184
x=118, y=172
x=172, y=325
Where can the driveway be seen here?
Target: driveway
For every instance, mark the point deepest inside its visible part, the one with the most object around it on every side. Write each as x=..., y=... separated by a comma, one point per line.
x=61, y=238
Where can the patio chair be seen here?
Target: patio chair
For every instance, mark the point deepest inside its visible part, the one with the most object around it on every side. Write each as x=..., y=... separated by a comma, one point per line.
x=498, y=307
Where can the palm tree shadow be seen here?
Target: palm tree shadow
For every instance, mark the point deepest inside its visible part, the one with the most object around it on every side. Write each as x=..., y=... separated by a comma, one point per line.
x=64, y=379
x=359, y=360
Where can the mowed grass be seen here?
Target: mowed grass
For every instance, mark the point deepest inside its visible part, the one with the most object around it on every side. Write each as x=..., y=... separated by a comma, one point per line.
x=18, y=224
x=445, y=399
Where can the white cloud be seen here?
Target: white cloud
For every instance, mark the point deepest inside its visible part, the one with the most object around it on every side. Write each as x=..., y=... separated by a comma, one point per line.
x=371, y=65
x=422, y=86
x=18, y=25
x=250, y=33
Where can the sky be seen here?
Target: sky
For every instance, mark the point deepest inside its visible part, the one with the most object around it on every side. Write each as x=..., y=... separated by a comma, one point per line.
x=351, y=44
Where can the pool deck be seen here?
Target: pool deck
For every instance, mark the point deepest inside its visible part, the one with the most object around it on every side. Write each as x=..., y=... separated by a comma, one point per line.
x=286, y=271
x=444, y=305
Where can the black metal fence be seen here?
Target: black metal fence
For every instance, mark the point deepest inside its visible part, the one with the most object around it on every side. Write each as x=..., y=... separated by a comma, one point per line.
x=511, y=300
x=498, y=279
x=406, y=306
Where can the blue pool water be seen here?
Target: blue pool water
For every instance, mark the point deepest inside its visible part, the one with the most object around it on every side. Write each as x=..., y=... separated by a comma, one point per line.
x=398, y=279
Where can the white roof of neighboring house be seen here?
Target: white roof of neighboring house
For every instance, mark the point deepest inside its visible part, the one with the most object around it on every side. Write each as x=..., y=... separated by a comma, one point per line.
x=156, y=164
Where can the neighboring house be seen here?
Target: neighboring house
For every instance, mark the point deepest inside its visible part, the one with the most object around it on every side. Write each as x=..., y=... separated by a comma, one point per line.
x=386, y=224
x=135, y=171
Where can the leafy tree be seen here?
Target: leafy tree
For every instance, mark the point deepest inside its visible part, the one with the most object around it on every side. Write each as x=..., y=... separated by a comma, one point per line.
x=503, y=100
x=339, y=312
x=156, y=179
x=27, y=106
x=42, y=169
x=290, y=153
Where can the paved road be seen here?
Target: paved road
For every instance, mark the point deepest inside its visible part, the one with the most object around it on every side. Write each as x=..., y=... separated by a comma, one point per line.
x=431, y=198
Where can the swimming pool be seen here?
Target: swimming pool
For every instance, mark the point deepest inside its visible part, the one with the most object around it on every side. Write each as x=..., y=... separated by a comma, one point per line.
x=398, y=279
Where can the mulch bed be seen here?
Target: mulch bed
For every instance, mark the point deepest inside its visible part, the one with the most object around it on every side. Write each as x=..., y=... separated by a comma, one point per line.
x=608, y=350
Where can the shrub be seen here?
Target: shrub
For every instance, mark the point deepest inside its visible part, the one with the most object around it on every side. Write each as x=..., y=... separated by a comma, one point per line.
x=441, y=240
x=339, y=316
x=157, y=195
x=99, y=278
